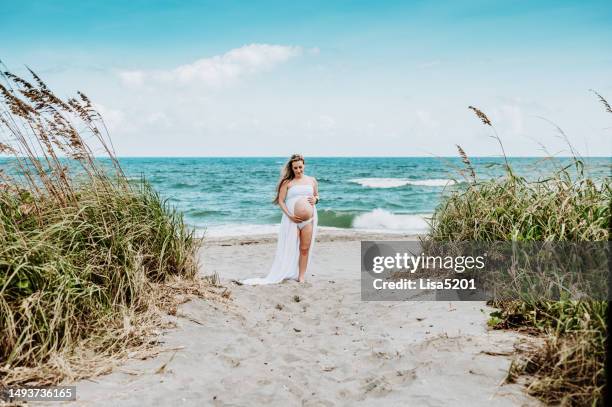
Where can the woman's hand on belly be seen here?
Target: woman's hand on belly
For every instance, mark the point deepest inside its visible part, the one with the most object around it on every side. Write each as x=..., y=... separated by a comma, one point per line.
x=312, y=200
x=295, y=219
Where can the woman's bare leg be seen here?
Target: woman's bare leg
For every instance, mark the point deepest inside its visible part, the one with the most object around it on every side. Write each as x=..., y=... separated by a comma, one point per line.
x=305, y=238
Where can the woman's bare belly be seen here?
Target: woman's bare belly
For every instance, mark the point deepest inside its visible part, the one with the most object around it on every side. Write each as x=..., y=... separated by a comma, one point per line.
x=303, y=209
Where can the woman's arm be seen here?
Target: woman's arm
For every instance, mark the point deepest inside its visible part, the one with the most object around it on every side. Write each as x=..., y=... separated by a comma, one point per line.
x=315, y=188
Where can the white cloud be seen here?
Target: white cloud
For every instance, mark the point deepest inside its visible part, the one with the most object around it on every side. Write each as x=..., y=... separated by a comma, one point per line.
x=218, y=70
x=113, y=118
x=158, y=119
x=132, y=78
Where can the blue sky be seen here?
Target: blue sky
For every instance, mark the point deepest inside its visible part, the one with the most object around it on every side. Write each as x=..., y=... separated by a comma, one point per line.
x=263, y=78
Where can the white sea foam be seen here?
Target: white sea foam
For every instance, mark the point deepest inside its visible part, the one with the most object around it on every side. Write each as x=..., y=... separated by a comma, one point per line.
x=400, y=182
x=378, y=220
x=382, y=220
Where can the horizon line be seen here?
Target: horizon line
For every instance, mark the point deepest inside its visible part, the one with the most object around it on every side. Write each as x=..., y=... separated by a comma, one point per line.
x=354, y=156
x=334, y=156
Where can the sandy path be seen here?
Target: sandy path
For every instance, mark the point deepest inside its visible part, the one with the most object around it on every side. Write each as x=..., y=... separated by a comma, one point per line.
x=330, y=348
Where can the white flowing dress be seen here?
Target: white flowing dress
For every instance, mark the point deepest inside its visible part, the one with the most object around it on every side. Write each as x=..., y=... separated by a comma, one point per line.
x=285, y=265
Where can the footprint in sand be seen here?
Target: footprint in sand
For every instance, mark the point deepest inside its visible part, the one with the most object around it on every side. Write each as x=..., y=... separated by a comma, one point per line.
x=232, y=361
x=376, y=387
x=403, y=376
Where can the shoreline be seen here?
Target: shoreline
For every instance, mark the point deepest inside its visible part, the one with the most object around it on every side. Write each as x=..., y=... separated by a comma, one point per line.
x=324, y=234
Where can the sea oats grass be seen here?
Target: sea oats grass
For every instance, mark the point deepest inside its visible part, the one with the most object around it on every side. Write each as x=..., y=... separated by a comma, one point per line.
x=90, y=263
x=569, y=206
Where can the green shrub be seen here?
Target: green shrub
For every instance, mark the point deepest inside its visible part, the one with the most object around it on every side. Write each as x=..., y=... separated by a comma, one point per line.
x=566, y=206
x=82, y=250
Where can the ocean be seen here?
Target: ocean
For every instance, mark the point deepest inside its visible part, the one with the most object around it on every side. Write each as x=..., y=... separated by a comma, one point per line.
x=229, y=196
x=233, y=196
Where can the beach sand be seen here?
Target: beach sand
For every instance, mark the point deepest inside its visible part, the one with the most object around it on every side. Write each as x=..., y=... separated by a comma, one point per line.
x=315, y=344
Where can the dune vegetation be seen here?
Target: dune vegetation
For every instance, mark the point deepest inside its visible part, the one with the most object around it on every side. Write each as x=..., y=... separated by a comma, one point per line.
x=88, y=258
x=567, y=205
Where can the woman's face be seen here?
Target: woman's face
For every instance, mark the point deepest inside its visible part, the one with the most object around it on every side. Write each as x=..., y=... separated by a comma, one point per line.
x=298, y=168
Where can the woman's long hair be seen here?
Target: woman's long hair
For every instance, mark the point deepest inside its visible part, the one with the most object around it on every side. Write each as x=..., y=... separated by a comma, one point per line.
x=287, y=173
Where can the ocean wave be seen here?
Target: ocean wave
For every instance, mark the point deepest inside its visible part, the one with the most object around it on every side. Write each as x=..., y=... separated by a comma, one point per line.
x=380, y=219
x=181, y=185
x=197, y=213
x=377, y=219
x=338, y=219
x=400, y=182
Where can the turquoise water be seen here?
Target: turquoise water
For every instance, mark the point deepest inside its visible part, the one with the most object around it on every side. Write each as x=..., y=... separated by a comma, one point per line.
x=234, y=195
x=365, y=193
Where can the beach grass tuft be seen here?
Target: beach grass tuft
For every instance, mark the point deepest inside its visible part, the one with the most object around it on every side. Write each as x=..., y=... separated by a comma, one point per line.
x=567, y=205
x=88, y=259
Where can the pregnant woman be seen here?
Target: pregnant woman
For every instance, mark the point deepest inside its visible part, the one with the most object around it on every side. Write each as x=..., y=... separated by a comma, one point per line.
x=296, y=194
